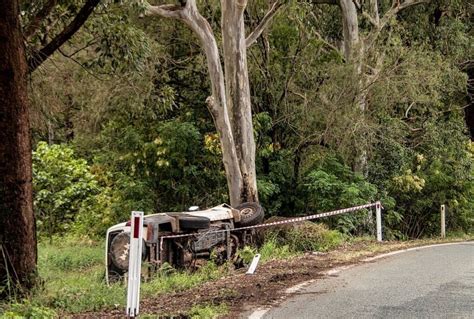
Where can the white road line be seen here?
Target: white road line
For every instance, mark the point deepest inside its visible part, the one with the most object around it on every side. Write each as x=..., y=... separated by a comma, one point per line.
x=259, y=313
x=410, y=249
x=298, y=287
x=337, y=270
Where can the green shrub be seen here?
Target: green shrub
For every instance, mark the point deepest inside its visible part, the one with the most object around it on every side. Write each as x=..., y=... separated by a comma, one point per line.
x=305, y=236
x=120, y=196
x=246, y=254
x=62, y=183
x=330, y=185
x=271, y=249
x=441, y=175
x=26, y=310
x=313, y=237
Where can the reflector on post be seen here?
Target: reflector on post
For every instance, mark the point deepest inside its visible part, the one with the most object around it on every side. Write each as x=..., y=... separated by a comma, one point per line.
x=134, y=265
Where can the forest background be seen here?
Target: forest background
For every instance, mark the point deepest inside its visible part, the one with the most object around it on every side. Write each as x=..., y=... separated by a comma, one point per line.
x=120, y=121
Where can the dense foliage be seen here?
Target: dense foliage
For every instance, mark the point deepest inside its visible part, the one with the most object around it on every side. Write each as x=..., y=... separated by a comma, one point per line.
x=131, y=104
x=63, y=184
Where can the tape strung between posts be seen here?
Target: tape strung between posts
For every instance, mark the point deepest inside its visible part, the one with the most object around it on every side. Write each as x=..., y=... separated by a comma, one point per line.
x=286, y=221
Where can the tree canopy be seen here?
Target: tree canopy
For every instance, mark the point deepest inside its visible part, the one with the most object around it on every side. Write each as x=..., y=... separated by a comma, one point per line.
x=131, y=100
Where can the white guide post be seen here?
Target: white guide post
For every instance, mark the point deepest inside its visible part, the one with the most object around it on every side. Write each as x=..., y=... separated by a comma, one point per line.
x=378, y=215
x=253, y=265
x=443, y=221
x=134, y=265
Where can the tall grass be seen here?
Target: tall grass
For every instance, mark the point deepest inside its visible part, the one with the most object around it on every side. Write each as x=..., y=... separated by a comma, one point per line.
x=170, y=281
x=73, y=275
x=72, y=272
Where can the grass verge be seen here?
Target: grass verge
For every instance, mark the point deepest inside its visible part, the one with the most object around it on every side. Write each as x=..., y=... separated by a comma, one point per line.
x=73, y=275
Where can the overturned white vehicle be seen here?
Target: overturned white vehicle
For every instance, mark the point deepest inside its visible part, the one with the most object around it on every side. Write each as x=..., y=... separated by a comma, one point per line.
x=211, y=233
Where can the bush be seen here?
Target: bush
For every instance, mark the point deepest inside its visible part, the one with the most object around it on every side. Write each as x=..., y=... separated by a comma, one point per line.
x=313, y=237
x=442, y=174
x=61, y=183
x=271, y=249
x=27, y=310
x=301, y=237
x=330, y=184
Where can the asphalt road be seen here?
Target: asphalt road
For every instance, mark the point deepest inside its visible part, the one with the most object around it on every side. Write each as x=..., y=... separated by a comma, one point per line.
x=435, y=282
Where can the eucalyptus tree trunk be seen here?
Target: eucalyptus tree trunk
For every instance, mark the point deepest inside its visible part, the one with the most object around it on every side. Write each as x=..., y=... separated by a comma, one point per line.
x=238, y=92
x=354, y=54
x=229, y=102
x=350, y=30
x=217, y=102
x=469, y=111
x=17, y=223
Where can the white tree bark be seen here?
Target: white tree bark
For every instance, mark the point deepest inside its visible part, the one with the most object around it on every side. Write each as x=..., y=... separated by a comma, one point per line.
x=238, y=92
x=354, y=54
x=350, y=25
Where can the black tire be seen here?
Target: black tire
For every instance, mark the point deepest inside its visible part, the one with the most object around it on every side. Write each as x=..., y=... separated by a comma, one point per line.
x=119, y=251
x=114, y=274
x=250, y=214
x=193, y=222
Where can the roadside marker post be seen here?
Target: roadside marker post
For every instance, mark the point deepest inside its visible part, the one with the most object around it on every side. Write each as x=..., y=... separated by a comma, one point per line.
x=443, y=221
x=378, y=213
x=134, y=265
x=254, y=264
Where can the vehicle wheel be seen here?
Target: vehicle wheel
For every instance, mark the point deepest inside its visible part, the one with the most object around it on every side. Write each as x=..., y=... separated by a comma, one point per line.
x=114, y=274
x=250, y=214
x=193, y=222
x=120, y=250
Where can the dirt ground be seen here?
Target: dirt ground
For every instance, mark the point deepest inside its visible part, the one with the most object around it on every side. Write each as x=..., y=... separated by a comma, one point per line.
x=241, y=292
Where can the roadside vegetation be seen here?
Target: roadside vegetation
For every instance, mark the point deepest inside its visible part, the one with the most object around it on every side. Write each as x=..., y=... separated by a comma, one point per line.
x=119, y=120
x=72, y=271
x=73, y=274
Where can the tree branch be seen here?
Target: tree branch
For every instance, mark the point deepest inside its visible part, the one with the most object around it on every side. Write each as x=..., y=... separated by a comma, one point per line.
x=324, y=41
x=372, y=21
x=396, y=8
x=393, y=11
x=409, y=3
x=78, y=63
x=165, y=10
x=357, y=4
x=40, y=56
x=35, y=23
x=334, y=2
x=253, y=36
x=87, y=45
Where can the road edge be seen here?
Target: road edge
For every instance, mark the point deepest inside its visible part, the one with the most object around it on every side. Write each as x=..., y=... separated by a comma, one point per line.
x=261, y=311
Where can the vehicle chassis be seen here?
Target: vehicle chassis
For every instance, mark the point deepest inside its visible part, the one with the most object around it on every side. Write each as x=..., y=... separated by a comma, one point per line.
x=166, y=241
